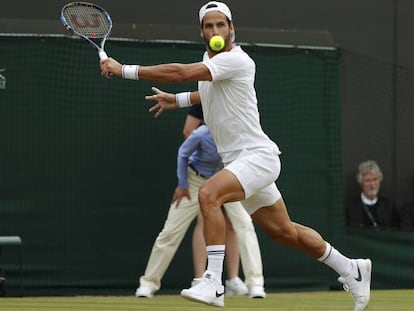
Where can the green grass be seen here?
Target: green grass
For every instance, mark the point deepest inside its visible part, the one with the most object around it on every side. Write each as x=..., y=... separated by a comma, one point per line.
x=381, y=300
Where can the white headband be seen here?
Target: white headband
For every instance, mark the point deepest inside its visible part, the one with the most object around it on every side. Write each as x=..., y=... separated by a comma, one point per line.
x=214, y=6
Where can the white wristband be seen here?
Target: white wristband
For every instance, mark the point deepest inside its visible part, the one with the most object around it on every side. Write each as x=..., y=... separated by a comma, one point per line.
x=130, y=72
x=183, y=99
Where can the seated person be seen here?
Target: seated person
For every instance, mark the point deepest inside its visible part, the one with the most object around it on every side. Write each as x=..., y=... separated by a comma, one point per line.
x=368, y=209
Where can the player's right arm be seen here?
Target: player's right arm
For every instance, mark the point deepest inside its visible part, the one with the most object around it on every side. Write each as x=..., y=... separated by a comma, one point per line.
x=175, y=73
x=163, y=73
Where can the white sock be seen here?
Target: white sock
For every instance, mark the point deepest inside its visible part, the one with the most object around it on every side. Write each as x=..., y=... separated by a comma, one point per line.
x=215, y=259
x=334, y=259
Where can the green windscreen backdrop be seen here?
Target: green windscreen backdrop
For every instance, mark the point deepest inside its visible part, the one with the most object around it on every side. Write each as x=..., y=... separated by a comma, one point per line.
x=87, y=173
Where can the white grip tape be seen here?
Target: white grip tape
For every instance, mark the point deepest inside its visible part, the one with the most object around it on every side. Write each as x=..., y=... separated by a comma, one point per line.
x=103, y=55
x=183, y=99
x=130, y=72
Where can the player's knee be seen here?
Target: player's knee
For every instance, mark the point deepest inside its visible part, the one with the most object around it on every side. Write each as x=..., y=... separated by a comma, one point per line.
x=207, y=199
x=204, y=196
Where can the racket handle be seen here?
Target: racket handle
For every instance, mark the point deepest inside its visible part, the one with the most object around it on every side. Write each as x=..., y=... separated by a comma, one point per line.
x=102, y=55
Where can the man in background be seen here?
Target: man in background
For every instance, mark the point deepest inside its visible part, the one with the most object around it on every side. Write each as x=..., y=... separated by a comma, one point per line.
x=368, y=209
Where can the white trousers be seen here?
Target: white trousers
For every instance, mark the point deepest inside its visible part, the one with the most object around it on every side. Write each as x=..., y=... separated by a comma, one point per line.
x=176, y=226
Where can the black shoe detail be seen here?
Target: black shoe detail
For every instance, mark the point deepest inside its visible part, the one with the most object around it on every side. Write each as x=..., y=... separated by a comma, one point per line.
x=219, y=294
x=359, y=278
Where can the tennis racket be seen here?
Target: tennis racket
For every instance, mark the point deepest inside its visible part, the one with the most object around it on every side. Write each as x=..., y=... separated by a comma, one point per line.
x=90, y=22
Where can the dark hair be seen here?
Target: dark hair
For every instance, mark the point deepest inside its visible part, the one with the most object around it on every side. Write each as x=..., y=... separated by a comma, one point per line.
x=213, y=5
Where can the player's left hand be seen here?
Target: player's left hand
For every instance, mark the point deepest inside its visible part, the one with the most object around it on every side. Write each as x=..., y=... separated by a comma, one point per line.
x=166, y=101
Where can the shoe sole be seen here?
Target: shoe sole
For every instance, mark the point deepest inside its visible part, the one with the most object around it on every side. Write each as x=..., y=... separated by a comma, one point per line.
x=143, y=296
x=257, y=293
x=258, y=297
x=201, y=299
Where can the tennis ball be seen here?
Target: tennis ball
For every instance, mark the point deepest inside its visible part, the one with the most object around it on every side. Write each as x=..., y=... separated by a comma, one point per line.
x=216, y=43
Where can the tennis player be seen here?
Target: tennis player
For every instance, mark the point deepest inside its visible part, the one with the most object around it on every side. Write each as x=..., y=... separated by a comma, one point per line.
x=241, y=238
x=251, y=160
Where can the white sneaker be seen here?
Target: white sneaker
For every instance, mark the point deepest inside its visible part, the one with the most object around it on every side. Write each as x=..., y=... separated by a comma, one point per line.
x=236, y=287
x=144, y=292
x=257, y=292
x=358, y=283
x=209, y=291
x=195, y=281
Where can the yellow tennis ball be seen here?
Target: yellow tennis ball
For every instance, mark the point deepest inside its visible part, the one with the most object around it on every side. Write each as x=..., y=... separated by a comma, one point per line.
x=216, y=43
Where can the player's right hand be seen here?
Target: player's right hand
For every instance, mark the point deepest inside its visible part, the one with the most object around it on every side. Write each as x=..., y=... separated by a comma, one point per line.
x=110, y=68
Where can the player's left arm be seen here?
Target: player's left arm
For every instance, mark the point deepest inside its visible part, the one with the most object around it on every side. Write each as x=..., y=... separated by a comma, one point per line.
x=168, y=101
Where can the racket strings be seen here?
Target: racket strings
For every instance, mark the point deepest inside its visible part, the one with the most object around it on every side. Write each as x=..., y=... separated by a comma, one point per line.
x=87, y=20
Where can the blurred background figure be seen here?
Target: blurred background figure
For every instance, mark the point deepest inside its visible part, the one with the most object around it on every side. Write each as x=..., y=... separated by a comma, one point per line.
x=368, y=209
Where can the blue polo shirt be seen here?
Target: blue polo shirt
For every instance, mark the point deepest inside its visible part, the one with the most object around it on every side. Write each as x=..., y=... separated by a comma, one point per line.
x=200, y=151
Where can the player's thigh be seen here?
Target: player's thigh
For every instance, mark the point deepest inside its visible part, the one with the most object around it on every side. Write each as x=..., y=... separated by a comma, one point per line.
x=255, y=169
x=222, y=187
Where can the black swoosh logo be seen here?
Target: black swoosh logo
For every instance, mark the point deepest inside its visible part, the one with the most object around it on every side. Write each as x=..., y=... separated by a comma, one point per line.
x=359, y=278
x=219, y=294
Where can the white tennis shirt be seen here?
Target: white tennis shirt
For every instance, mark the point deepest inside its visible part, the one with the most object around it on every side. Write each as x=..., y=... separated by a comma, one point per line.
x=230, y=105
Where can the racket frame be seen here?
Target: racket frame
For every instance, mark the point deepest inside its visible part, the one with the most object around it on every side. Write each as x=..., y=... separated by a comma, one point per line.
x=100, y=47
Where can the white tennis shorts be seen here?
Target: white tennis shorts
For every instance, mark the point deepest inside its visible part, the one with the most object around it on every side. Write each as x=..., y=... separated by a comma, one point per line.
x=257, y=171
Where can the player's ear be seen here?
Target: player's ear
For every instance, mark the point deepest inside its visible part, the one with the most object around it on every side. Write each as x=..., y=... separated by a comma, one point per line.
x=201, y=33
x=232, y=32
